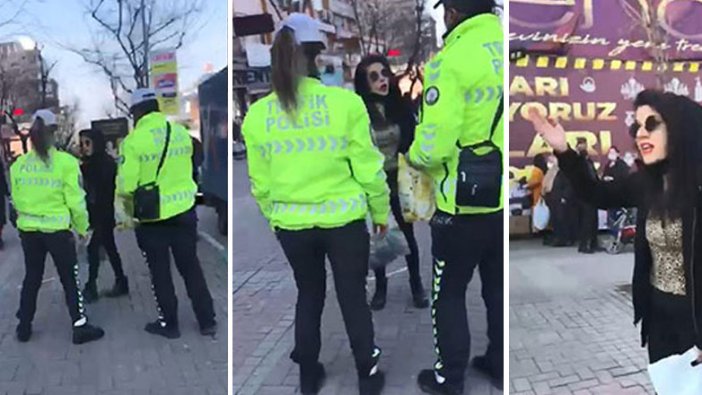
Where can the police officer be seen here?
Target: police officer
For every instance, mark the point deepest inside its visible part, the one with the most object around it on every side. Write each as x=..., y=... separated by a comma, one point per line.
x=49, y=200
x=459, y=143
x=316, y=174
x=159, y=153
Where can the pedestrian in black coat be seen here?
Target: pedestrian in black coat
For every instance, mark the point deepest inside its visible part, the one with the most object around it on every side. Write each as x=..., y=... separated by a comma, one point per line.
x=667, y=281
x=99, y=172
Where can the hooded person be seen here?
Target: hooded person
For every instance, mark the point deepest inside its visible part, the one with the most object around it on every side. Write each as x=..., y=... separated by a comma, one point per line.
x=99, y=172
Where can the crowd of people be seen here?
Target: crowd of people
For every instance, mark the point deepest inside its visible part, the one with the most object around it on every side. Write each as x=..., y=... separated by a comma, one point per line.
x=151, y=188
x=318, y=170
x=573, y=220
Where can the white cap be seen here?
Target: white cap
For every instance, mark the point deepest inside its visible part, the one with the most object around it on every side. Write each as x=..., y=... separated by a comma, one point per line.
x=46, y=115
x=306, y=28
x=141, y=95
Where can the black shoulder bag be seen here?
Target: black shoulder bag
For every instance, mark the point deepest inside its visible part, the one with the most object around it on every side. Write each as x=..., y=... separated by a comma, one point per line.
x=479, y=181
x=147, y=197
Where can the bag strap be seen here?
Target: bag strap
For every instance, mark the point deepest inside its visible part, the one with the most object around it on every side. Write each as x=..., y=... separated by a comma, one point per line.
x=165, y=150
x=495, y=121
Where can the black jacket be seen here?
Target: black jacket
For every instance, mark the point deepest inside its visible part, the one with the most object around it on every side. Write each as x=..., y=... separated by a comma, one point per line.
x=631, y=192
x=618, y=171
x=99, y=174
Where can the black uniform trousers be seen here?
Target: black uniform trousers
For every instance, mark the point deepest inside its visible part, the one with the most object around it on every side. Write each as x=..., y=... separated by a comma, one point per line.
x=347, y=248
x=459, y=245
x=176, y=235
x=103, y=236
x=61, y=246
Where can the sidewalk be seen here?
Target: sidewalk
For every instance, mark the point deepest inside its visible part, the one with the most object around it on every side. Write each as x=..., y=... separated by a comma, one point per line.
x=128, y=360
x=571, y=323
x=264, y=302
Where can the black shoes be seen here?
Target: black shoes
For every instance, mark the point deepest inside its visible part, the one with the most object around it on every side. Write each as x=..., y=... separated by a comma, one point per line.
x=482, y=364
x=371, y=385
x=380, y=296
x=209, y=330
x=312, y=378
x=24, y=332
x=90, y=293
x=419, y=296
x=427, y=383
x=120, y=288
x=160, y=328
x=87, y=333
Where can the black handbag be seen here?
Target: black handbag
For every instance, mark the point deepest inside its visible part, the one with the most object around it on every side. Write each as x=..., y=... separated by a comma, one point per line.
x=147, y=197
x=479, y=177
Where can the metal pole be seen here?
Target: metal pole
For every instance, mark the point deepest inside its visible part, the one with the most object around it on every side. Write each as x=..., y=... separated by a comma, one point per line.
x=146, y=43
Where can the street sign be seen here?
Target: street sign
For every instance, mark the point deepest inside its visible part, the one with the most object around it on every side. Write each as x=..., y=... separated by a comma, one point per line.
x=164, y=79
x=252, y=25
x=114, y=131
x=254, y=78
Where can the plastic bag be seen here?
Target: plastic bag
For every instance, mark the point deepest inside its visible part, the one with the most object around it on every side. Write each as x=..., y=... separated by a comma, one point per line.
x=416, y=192
x=675, y=376
x=542, y=215
x=385, y=249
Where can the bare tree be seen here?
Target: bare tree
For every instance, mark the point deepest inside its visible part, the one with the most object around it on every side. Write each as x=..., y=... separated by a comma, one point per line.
x=67, y=127
x=127, y=31
x=11, y=11
x=45, y=68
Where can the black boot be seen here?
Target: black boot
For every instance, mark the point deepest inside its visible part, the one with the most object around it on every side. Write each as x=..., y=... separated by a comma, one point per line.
x=90, y=293
x=419, y=296
x=427, y=383
x=24, y=332
x=372, y=385
x=87, y=333
x=158, y=327
x=120, y=288
x=311, y=378
x=380, y=296
x=482, y=364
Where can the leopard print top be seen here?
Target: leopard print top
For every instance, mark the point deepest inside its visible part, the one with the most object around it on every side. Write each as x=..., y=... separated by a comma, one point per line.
x=665, y=241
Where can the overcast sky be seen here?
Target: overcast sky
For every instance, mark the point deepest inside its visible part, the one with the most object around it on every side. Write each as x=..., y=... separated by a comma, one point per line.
x=60, y=23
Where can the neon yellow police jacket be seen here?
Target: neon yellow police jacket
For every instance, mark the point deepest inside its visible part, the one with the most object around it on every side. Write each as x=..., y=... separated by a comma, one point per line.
x=48, y=196
x=140, y=153
x=318, y=168
x=462, y=88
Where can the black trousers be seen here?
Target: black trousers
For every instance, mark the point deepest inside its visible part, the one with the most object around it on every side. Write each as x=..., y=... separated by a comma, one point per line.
x=563, y=220
x=347, y=248
x=61, y=247
x=408, y=230
x=670, y=329
x=587, y=224
x=103, y=236
x=459, y=245
x=177, y=235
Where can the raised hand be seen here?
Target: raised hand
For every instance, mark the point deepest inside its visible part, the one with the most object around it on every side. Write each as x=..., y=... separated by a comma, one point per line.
x=549, y=129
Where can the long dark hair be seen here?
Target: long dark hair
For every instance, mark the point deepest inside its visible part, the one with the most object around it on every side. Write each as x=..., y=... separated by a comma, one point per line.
x=398, y=110
x=289, y=63
x=540, y=162
x=41, y=137
x=681, y=168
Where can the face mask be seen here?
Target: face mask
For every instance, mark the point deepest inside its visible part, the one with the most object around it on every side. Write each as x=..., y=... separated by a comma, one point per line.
x=549, y=165
x=629, y=160
x=612, y=156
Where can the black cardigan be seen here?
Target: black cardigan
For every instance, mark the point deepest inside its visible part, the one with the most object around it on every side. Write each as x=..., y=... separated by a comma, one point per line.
x=630, y=192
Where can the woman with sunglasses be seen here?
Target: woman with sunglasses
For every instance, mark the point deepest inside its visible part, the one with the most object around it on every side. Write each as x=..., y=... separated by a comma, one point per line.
x=99, y=172
x=667, y=281
x=392, y=129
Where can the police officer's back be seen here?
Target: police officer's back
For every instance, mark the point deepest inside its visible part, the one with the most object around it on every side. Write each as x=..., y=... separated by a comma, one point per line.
x=459, y=142
x=155, y=180
x=50, y=203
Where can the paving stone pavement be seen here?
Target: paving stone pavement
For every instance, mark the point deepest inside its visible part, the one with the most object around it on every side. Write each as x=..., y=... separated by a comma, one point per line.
x=128, y=360
x=264, y=298
x=571, y=323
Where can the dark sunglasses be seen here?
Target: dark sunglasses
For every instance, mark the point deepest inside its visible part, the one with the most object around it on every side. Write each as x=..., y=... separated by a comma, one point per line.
x=651, y=124
x=375, y=76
